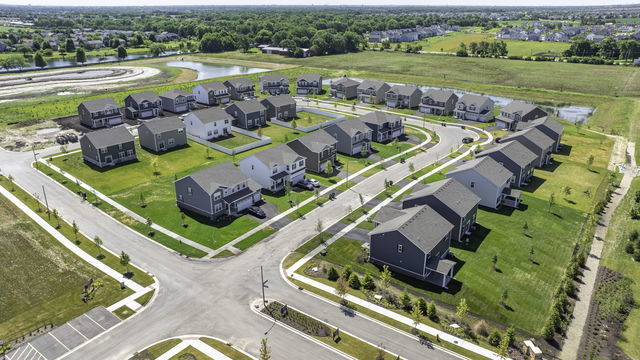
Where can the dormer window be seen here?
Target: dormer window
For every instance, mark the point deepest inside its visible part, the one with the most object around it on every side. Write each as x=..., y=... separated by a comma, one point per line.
x=399, y=248
x=472, y=185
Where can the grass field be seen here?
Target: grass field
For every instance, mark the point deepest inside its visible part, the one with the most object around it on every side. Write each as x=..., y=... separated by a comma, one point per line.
x=42, y=280
x=306, y=118
x=225, y=349
x=235, y=140
x=156, y=350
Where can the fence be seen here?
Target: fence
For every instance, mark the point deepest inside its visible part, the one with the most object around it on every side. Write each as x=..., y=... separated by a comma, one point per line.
x=260, y=141
x=336, y=118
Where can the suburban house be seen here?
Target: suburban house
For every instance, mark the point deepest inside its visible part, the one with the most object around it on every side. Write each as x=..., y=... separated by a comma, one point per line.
x=248, y=114
x=516, y=112
x=209, y=123
x=489, y=180
x=177, y=101
x=515, y=157
x=273, y=167
x=162, y=134
x=318, y=148
x=451, y=200
x=142, y=105
x=309, y=84
x=221, y=189
x=344, y=88
x=536, y=141
x=99, y=113
x=385, y=126
x=549, y=127
x=240, y=88
x=211, y=93
x=372, y=91
x=280, y=107
x=108, y=147
x=403, y=97
x=274, y=84
x=438, y=102
x=413, y=242
x=474, y=107
x=352, y=136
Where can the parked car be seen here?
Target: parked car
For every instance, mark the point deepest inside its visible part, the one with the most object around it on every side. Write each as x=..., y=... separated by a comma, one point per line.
x=257, y=212
x=313, y=182
x=467, y=140
x=305, y=185
x=71, y=137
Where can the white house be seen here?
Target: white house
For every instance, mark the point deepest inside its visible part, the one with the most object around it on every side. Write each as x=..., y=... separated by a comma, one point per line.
x=211, y=93
x=274, y=167
x=209, y=123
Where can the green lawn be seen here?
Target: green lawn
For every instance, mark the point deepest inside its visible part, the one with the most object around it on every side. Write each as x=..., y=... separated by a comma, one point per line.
x=306, y=118
x=279, y=134
x=42, y=281
x=235, y=140
x=190, y=353
x=155, y=351
x=225, y=349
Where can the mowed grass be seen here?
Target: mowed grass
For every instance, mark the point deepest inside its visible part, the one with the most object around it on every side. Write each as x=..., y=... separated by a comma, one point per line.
x=235, y=140
x=41, y=280
x=190, y=353
x=225, y=349
x=306, y=118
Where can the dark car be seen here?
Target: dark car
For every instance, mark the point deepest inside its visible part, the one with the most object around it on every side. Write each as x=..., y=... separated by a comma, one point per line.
x=467, y=140
x=256, y=211
x=305, y=185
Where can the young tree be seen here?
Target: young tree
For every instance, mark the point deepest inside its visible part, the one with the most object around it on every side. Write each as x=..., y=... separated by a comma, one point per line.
x=57, y=217
x=143, y=202
x=385, y=278
x=98, y=242
x=346, y=272
x=332, y=274
x=405, y=301
x=361, y=198
x=364, y=151
x=590, y=161
x=183, y=217
x=125, y=260
x=81, y=56
x=552, y=201
x=494, y=261
x=368, y=283
x=416, y=316
x=432, y=311
x=319, y=228
x=39, y=60
x=342, y=289
x=76, y=230
x=354, y=281
x=122, y=52
x=525, y=228
x=531, y=253
x=265, y=350
x=566, y=190
x=412, y=167
x=462, y=309
x=148, y=222
x=70, y=46
x=329, y=168
x=504, y=297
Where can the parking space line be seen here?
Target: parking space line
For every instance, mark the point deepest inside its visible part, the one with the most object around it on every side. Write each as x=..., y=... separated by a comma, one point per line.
x=89, y=317
x=56, y=339
x=76, y=330
x=28, y=347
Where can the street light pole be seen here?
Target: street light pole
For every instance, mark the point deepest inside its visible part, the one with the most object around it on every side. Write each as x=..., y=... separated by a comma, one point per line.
x=46, y=202
x=263, y=283
x=35, y=158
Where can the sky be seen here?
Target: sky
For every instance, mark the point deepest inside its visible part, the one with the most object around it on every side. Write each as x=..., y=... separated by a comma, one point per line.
x=319, y=2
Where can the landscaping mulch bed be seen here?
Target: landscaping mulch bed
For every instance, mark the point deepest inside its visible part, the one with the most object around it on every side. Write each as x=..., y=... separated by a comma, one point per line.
x=297, y=320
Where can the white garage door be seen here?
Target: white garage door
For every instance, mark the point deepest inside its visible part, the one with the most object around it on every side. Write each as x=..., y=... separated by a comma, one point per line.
x=397, y=133
x=181, y=108
x=115, y=121
x=245, y=203
x=297, y=179
x=356, y=149
x=146, y=114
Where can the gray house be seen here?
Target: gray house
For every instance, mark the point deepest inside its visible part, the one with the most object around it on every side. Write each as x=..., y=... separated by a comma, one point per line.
x=162, y=134
x=274, y=84
x=516, y=112
x=438, y=102
x=515, y=157
x=211, y=93
x=177, y=101
x=318, y=147
x=549, y=127
x=248, y=114
x=216, y=190
x=240, y=88
x=344, y=88
x=385, y=126
x=309, y=84
x=450, y=199
x=536, y=141
x=403, y=97
x=142, y=105
x=280, y=107
x=414, y=242
x=489, y=180
x=474, y=107
x=372, y=91
x=99, y=113
x=108, y=147
x=353, y=135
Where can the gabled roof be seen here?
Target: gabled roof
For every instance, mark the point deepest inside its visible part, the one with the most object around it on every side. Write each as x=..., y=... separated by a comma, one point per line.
x=99, y=104
x=310, y=77
x=405, y=90
x=472, y=99
x=273, y=77
x=210, y=115
x=249, y=106
x=387, y=213
x=280, y=100
x=519, y=107
x=421, y=225
x=352, y=126
x=487, y=168
x=534, y=135
x=439, y=95
x=109, y=137
x=225, y=174
x=345, y=81
x=150, y=96
x=316, y=141
x=451, y=193
x=213, y=86
x=546, y=121
x=373, y=84
x=513, y=150
x=239, y=82
x=379, y=118
x=161, y=125
x=173, y=94
x=281, y=155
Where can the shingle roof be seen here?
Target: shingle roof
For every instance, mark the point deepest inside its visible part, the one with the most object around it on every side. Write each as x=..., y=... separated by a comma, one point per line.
x=439, y=95
x=281, y=154
x=225, y=174
x=108, y=137
x=239, y=82
x=379, y=118
x=345, y=81
x=214, y=85
x=548, y=122
x=477, y=100
x=352, y=126
x=172, y=94
x=160, y=125
x=534, y=135
x=150, y=96
x=387, y=213
x=520, y=107
x=210, y=115
x=374, y=84
x=99, y=104
x=280, y=100
x=249, y=106
x=451, y=193
x=405, y=90
x=514, y=150
x=317, y=140
x=273, y=77
x=421, y=225
x=310, y=77
x=487, y=167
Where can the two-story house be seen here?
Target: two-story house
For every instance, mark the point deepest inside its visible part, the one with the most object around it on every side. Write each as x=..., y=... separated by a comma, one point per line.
x=515, y=157
x=216, y=190
x=474, y=107
x=99, y=113
x=318, y=148
x=240, y=88
x=162, y=134
x=209, y=123
x=403, y=97
x=386, y=127
x=248, y=114
x=273, y=167
x=438, y=102
x=177, y=101
x=108, y=147
x=142, y=105
x=274, y=84
x=344, y=88
x=413, y=242
x=309, y=84
x=516, y=112
x=211, y=93
x=536, y=141
x=372, y=91
x=549, y=127
x=280, y=107
x=352, y=135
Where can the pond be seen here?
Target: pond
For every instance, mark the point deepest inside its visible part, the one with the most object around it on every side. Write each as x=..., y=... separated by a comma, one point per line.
x=209, y=71
x=70, y=60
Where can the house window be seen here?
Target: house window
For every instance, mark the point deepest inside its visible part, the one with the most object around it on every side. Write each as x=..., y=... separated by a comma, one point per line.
x=301, y=163
x=129, y=152
x=121, y=154
x=119, y=146
x=103, y=150
x=180, y=131
x=180, y=197
x=216, y=196
x=275, y=170
x=472, y=185
x=226, y=121
x=189, y=191
x=400, y=248
x=171, y=141
x=159, y=136
x=209, y=133
x=252, y=167
x=293, y=167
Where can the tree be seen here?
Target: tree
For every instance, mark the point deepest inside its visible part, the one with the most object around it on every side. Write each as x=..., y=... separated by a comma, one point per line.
x=494, y=261
x=13, y=187
x=525, y=228
x=81, y=56
x=39, y=60
x=265, y=350
x=405, y=301
x=462, y=50
x=24, y=49
x=13, y=61
x=504, y=297
x=590, y=161
x=125, y=260
x=332, y=274
x=462, y=309
x=416, y=316
x=148, y=222
x=368, y=283
x=385, y=278
x=566, y=190
x=98, y=242
x=422, y=304
x=122, y=52
x=156, y=49
x=495, y=338
x=329, y=168
x=57, y=217
x=364, y=150
x=342, y=289
x=431, y=310
x=319, y=228
x=412, y=167
x=243, y=42
x=70, y=46
x=552, y=201
x=346, y=272
x=354, y=281
x=76, y=230
x=531, y=253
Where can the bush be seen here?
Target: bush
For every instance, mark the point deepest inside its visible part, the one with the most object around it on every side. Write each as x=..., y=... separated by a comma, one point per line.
x=405, y=301
x=635, y=213
x=636, y=256
x=368, y=283
x=432, y=312
x=495, y=338
x=346, y=273
x=422, y=305
x=629, y=248
x=333, y=274
x=634, y=235
x=354, y=281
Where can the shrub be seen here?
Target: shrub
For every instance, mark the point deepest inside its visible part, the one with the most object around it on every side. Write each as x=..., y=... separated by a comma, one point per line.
x=333, y=274
x=634, y=235
x=635, y=213
x=432, y=312
x=346, y=273
x=354, y=281
x=368, y=283
x=636, y=256
x=405, y=301
x=422, y=305
x=629, y=248
x=495, y=338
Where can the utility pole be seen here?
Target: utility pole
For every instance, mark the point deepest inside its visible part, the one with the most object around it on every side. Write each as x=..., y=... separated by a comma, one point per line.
x=35, y=158
x=264, y=285
x=46, y=202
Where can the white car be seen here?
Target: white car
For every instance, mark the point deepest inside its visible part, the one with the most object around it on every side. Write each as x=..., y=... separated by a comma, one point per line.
x=314, y=182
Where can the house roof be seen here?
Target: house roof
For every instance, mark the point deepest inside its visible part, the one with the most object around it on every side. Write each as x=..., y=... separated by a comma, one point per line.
x=374, y=84
x=172, y=94
x=519, y=107
x=421, y=225
x=281, y=154
x=249, y=106
x=546, y=121
x=387, y=213
x=379, y=118
x=150, y=96
x=438, y=95
x=160, y=125
x=100, y=104
x=317, y=140
x=405, y=90
x=345, y=81
x=534, y=135
x=213, y=85
x=239, y=82
x=210, y=115
x=472, y=99
x=514, y=150
x=280, y=100
x=352, y=126
x=109, y=137
x=487, y=168
x=310, y=77
x=273, y=77
x=224, y=174
x=451, y=193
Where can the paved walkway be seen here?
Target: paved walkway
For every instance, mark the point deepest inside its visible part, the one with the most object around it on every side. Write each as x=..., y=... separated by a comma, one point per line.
x=194, y=341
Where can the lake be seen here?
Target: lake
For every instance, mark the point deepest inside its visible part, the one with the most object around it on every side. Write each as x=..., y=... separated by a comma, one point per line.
x=70, y=60
x=209, y=71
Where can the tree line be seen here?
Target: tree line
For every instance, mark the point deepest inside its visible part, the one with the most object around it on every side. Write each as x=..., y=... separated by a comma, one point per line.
x=483, y=49
x=609, y=48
